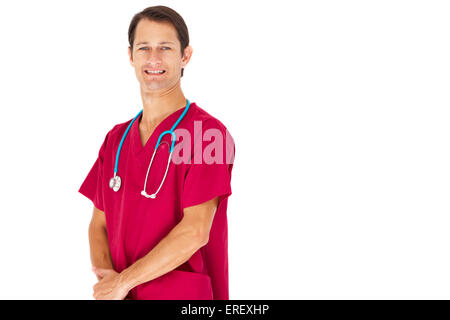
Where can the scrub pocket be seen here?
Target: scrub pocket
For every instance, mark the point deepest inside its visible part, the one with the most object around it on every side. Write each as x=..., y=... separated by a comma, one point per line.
x=176, y=285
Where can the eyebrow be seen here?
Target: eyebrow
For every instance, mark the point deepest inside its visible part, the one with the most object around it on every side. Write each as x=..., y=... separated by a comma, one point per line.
x=163, y=42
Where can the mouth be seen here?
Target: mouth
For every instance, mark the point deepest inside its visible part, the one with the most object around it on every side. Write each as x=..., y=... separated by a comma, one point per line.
x=154, y=72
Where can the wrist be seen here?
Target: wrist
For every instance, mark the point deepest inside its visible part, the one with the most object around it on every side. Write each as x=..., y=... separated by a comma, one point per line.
x=125, y=280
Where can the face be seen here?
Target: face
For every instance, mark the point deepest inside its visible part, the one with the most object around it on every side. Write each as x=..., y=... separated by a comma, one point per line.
x=157, y=48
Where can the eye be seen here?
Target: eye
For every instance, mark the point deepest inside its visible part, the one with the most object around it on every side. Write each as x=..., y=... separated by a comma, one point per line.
x=166, y=48
x=143, y=48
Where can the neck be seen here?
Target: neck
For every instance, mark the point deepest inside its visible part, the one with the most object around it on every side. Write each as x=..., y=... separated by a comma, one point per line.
x=158, y=105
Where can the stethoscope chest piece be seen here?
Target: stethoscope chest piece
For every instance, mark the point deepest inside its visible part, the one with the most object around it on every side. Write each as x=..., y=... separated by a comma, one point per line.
x=115, y=183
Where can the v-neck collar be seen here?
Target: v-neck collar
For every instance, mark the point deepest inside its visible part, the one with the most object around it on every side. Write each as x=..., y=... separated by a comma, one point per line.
x=142, y=152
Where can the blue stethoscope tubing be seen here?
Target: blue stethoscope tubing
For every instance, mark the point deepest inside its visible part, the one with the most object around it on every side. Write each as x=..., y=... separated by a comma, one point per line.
x=116, y=182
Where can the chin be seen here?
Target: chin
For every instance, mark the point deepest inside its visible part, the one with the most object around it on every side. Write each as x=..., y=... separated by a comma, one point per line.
x=153, y=87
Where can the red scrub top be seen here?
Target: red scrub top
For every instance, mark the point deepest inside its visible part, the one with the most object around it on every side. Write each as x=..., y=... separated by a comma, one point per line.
x=136, y=224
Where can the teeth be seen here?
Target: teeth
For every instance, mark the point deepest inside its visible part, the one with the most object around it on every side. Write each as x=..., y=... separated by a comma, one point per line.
x=154, y=72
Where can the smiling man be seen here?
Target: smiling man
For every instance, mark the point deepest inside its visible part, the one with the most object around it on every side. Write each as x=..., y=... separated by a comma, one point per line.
x=159, y=227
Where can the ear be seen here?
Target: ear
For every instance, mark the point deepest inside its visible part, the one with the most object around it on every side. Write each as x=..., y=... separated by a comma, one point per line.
x=130, y=56
x=186, y=56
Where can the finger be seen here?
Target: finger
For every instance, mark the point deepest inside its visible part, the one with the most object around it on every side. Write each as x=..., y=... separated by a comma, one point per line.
x=95, y=294
x=100, y=272
x=94, y=270
x=103, y=272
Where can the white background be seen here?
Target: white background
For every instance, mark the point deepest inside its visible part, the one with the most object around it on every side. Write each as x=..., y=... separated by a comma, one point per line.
x=340, y=114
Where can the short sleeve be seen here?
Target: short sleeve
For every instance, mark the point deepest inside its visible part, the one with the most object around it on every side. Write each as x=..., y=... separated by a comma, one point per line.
x=92, y=185
x=209, y=179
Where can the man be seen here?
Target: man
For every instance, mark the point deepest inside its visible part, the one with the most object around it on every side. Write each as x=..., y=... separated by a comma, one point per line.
x=173, y=246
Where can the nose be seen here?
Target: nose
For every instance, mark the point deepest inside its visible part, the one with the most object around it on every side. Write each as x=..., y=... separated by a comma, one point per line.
x=153, y=55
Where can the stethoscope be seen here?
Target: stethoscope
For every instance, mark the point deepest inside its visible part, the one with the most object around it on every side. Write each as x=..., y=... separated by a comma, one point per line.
x=116, y=182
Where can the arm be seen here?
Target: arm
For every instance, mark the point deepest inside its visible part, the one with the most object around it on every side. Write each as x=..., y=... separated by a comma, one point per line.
x=177, y=247
x=98, y=242
x=189, y=235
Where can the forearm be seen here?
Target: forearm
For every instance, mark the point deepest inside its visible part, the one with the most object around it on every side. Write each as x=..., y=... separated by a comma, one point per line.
x=172, y=251
x=99, y=248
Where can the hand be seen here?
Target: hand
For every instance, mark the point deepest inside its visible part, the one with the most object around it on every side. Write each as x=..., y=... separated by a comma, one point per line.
x=110, y=287
x=98, y=277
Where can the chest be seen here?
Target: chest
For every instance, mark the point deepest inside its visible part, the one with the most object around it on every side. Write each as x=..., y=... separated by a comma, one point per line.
x=145, y=135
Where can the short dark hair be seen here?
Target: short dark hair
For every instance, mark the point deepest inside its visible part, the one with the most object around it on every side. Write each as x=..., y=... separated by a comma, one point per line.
x=165, y=14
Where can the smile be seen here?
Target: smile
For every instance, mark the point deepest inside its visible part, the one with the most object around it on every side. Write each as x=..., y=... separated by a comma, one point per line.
x=155, y=72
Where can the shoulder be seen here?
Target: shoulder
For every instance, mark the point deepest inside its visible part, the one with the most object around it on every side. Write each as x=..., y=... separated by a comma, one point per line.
x=204, y=127
x=201, y=118
x=114, y=135
x=119, y=129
